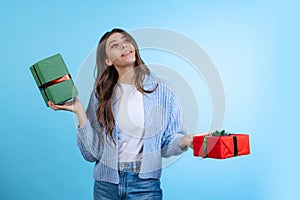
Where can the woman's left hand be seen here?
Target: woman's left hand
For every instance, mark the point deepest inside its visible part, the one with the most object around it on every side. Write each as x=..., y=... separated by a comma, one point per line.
x=187, y=140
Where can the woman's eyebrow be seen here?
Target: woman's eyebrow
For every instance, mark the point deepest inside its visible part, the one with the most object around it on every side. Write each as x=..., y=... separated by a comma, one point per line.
x=111, y=42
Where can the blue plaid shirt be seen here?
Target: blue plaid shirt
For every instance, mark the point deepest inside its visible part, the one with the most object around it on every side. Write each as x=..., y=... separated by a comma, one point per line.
x=163, y=127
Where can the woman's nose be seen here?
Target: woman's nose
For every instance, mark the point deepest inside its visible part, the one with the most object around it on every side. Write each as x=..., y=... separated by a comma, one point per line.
x=123, y=45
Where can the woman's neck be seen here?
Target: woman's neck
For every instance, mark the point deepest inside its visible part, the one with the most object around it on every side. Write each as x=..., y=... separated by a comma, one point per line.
x=126, y=75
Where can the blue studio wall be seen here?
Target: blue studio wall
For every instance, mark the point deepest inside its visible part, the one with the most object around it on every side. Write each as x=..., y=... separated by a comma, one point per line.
x=253, y=44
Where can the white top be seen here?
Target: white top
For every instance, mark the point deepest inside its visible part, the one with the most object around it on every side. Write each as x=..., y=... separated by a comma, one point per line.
x=130, y=120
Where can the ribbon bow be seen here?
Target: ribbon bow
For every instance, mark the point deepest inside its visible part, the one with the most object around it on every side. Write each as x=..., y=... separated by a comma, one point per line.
x=219, y=133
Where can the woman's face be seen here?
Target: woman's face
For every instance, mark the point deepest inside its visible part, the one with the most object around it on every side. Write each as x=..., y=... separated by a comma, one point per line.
x=120, y=51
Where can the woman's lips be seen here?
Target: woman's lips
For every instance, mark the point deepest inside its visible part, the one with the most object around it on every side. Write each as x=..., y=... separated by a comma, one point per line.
x=126, y=53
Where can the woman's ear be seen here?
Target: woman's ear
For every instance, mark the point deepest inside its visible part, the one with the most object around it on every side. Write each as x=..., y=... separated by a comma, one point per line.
x=108, y=62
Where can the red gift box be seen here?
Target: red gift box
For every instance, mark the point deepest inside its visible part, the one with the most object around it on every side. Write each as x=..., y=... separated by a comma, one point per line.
x=221, y=147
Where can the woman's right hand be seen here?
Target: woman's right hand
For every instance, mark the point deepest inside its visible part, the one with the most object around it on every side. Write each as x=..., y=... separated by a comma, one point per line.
x=74, y=106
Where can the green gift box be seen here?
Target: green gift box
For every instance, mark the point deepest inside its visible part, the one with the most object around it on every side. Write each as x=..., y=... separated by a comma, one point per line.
x=54, y=80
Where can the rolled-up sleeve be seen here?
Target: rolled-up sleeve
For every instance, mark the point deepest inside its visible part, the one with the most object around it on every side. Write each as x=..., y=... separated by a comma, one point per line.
x=175, y=129
x=88, y=135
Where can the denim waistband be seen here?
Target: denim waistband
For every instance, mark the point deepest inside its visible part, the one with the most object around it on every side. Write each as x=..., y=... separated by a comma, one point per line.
x=130, y=166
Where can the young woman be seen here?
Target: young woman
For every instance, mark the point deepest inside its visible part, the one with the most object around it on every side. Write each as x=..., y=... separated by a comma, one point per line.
x=133, y=120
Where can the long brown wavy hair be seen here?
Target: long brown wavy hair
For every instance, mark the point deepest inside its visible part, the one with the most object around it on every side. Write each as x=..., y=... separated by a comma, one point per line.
x=107, y=78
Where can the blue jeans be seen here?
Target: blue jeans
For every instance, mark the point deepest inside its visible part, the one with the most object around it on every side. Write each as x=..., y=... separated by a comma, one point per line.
x=130, y=187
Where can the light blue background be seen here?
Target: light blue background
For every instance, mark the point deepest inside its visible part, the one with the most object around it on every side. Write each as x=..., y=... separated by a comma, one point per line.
x=254, y=45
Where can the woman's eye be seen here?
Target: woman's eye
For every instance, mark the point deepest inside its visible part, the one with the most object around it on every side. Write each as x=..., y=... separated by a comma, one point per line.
x=114, y=46
x=126, y=40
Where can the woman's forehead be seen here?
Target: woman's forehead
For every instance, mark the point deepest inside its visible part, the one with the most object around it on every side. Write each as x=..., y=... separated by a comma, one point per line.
x=115, y=37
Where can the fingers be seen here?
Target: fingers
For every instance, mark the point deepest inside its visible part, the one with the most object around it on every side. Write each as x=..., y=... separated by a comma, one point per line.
x=189, y=140
x=52, y=105
x=202, y=134
x=66, y=106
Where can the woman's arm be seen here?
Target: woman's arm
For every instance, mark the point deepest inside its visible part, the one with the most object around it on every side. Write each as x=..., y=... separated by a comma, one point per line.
x=74, y=106
x=175, y=140
x=88, y=130
x=175, y=129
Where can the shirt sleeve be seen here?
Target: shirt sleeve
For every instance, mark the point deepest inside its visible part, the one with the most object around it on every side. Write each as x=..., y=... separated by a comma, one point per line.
x=88, y=135
x=175, y=129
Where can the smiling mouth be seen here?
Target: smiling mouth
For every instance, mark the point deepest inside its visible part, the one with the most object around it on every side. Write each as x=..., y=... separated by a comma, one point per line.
x=126, y=53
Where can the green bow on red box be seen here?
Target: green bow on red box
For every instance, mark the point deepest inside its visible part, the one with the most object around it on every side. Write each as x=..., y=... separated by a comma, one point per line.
x=219, y=133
